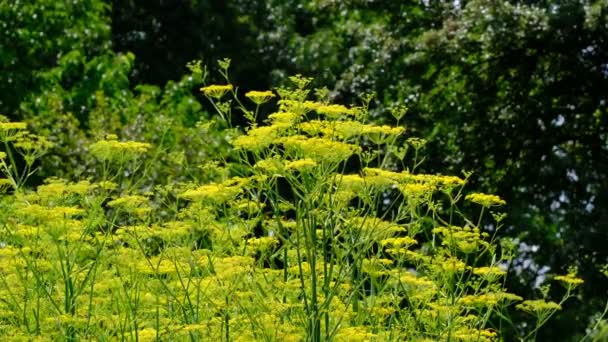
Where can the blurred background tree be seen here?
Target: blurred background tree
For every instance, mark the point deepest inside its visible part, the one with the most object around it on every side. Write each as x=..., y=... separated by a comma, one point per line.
x=514, y=91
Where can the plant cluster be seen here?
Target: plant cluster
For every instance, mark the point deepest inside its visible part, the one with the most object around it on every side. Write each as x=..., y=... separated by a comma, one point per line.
x=317, y=231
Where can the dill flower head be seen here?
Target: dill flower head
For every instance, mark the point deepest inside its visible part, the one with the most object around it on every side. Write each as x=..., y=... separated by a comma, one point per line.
x=258, y=138
x=399, y=241
x=301, y=164
x=283, y=118
x=216, y=91
x=262, y=244
x=259, y=97
x=335, y=110
x=353, y=183
x=570, y=280
x=489, y=271
x=10, y=129
x=320, y=149
x=485, y=199
x=130, y=202
x=5, y=184
x=7, y=126
x=111, y=149
x=538, y=306
x=271, y=166
x=470, y=334
x=410, y=190
x=218, y=193
x=32, y=142
x=2, y=155
x=58, y=188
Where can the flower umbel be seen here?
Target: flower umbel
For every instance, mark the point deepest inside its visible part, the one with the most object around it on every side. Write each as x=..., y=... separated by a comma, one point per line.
x=485, y=199
x=216, y=91
x=259, y=97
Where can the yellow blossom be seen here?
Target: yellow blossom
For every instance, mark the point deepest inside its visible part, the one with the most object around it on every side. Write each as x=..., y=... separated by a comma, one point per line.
x=259, y=97
x=538, y=306
x=263, y=244
x=283, y=118
x=58, y=188
x=216, y=91
x=474, y=335
x=354, y=334
x=7, y=126
x=272, y=166
x=489, y=271
x=407, y=278
x=32, y=143
x=381, y=177
x=129, y=202
x=259, y=137
x=412, y=190
x=320, y=149
x=8, y=130
x=147, y=334
x=5, y=184
x=485, y=199
x=115, y=150
x=218, y=193
x=398, y=242
x=488, y=299
x=335, y=110
x=298, y=107
x=354, y=183
x=570, y=279
x=301, y=164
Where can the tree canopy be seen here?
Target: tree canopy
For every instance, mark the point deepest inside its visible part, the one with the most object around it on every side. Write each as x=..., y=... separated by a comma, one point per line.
x=514, y=91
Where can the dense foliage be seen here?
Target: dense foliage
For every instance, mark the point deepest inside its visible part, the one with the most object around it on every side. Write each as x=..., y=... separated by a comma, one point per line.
x=513, y=91
x=281, y=243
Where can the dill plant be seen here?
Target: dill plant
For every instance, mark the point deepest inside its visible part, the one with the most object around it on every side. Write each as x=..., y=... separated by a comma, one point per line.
x=317, y=232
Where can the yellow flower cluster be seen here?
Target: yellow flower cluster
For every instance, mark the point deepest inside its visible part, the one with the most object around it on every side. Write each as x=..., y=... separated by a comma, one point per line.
x=263, y=244
x=116, y=150
x=485, y=199
x=217, y=193
x=488, y=299
x=216, y=91
x=465, y=239
x=272, y=166
x=538, y=306
x=398, y=242
x=5, y=184
x=259, y=138
x=9, y=130
x=570, y=279
x=259, y=97
x=8, y=126
x=131, y=203
x=475, y=335
x=57, y=189
x=348, y=129
x=298, y=107
x=319, y=149
x=283, y=118
x=32, y=143
x=354, y=334
x=301, y=164
x=336, y=111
